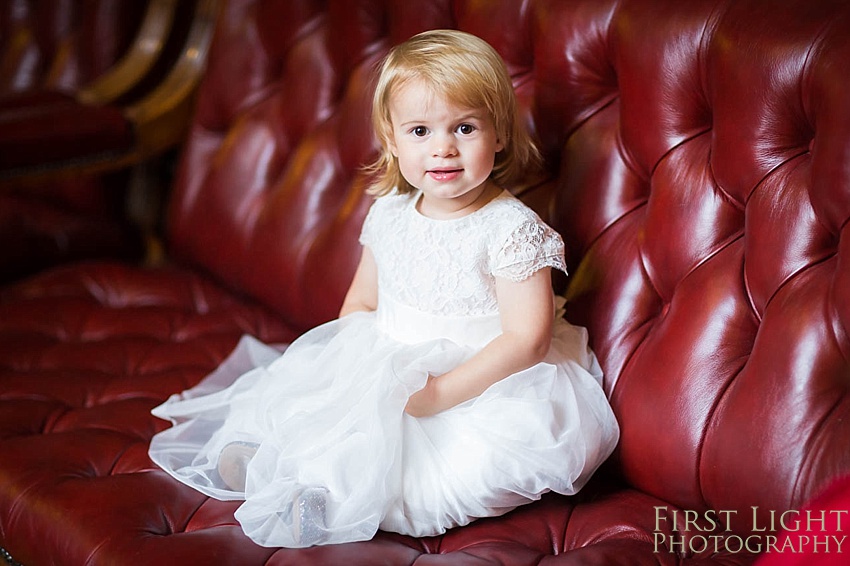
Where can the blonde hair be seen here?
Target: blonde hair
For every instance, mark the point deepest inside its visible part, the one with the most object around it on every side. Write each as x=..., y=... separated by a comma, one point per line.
x=470, y=73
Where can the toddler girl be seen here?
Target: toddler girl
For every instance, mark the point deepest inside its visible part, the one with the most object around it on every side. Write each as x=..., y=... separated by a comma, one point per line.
x=449, y=388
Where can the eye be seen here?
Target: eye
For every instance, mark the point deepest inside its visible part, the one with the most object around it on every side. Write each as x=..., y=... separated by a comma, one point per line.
x=419, y=131
x=466, y=129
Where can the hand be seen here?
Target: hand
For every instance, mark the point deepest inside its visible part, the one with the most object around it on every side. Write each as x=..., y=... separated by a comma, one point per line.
x=425, y=402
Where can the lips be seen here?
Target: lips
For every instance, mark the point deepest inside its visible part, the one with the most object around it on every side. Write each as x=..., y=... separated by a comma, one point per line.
x=444, y=174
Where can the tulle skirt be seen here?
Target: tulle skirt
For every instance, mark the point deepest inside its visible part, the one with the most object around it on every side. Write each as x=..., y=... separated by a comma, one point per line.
x=335, y=448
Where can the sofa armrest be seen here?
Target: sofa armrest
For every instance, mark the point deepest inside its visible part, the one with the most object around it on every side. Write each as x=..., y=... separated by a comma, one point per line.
x=147, y=47
x=161, y=119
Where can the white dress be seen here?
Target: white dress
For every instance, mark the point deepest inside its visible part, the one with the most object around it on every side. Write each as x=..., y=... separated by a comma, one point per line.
x=335, y=446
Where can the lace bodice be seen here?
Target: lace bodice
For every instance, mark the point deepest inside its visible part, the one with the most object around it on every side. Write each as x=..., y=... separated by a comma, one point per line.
x=448, y=267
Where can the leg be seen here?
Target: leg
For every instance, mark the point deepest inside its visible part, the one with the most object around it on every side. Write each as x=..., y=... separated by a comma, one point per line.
x=233, y=463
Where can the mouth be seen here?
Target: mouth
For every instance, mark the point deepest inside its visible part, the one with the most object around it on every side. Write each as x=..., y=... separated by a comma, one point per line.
x=444, y=174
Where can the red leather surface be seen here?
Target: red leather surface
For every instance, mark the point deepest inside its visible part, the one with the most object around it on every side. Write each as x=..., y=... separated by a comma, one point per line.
x=822, y=518
x=34, y=234
x=60, y=131
x=47, y=51
x=698, y=157
x=62, y=44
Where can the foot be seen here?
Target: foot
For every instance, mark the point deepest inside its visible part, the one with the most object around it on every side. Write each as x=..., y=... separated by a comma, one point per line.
x=309, y=514
x=233, y=463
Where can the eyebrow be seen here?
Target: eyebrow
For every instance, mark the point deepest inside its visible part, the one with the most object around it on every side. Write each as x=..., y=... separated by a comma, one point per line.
x=465, y=117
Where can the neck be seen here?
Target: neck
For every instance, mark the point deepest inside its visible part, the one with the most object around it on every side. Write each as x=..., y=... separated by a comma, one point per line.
x=488, y=193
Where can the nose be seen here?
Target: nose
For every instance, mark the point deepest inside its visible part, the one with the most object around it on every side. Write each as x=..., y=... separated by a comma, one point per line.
x=444, y=145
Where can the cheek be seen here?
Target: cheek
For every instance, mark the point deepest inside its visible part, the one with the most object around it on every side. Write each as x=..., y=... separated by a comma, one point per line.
x=405, y=160
x=487, y=156
x=407, y=167
x=408, y=152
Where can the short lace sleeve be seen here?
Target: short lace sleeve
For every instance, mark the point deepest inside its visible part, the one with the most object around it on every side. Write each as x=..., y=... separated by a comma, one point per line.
x=367, y=232
x=529, y=248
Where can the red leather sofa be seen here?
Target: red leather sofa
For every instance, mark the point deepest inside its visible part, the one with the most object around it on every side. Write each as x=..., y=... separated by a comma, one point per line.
x=49, y=51
x=61, y=46
x=697, y=157
x=94, y=97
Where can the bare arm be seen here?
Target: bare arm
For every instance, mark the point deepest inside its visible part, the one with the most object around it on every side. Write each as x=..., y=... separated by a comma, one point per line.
x=526, y=310
x=362, y=294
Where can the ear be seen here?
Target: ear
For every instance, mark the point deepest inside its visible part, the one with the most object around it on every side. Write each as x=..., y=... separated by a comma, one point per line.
x=391, y=145
x=499, y=145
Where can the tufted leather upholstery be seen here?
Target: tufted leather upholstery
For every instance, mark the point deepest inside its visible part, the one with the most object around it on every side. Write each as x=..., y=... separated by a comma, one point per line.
x=698, y=156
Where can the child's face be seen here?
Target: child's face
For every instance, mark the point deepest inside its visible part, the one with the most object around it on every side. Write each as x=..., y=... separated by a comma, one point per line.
x=446, y=151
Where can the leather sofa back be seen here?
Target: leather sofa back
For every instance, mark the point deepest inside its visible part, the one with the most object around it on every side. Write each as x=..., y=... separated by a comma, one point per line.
x=698, y=157
x=709, y=202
